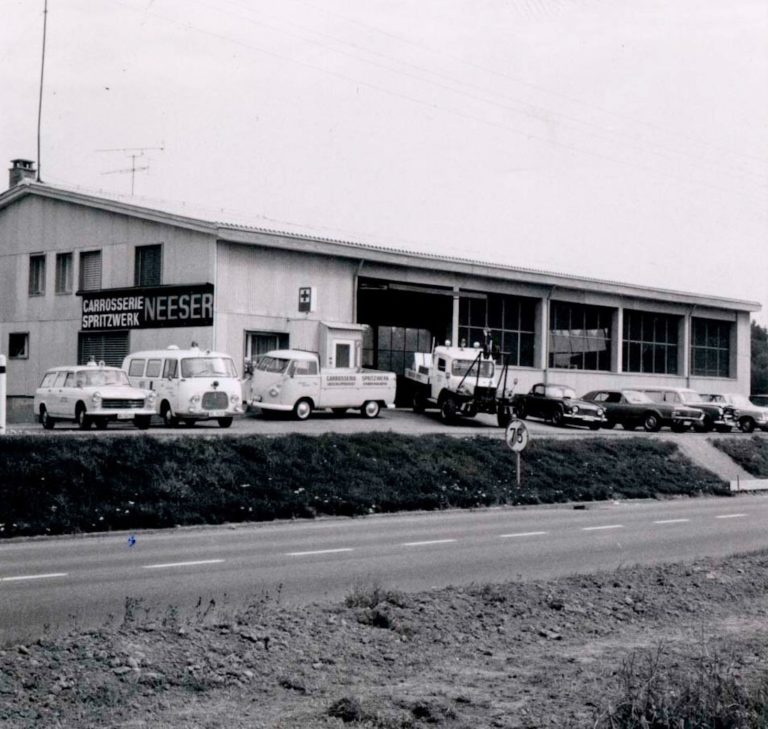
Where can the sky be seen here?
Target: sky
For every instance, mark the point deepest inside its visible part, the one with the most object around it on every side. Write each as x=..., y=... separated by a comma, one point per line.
x=617, y=139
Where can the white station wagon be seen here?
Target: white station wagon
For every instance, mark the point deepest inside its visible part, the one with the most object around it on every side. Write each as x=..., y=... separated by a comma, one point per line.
x=91, y=394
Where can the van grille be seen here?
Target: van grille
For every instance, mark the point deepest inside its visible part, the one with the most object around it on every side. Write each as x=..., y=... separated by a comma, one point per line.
x=122, y=403
x=215, y=401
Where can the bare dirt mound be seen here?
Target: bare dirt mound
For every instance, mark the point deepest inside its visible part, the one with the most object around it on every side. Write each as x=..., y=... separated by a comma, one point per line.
x=564, y=653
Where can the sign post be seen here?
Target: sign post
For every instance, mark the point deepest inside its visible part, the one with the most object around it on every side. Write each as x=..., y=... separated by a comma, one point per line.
x=517, y=439
x=2, y=394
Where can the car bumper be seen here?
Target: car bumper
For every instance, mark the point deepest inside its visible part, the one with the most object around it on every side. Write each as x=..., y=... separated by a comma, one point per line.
x=121, y=414
x=580, y=419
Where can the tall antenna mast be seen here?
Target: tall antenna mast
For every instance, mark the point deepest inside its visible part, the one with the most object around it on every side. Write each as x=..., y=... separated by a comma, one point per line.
x=134, y=153
x=40, y=101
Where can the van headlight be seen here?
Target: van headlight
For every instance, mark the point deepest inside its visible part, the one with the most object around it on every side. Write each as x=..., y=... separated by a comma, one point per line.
x=234, y=399
x=195, y=399
x=274, y=391
x=96, y=399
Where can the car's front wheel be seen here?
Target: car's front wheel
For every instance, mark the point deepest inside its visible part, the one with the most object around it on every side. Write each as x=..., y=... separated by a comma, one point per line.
x=747, y=425
x=302, y=409
x=169, y=419
x=557, y=417
x=82, y=419
x=651, y=423
x=45, y=419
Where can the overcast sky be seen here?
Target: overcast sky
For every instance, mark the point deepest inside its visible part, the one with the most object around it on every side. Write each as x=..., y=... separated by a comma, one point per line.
x=620, y=139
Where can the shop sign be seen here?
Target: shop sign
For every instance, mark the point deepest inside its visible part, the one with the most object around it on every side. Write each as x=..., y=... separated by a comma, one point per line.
x=148, y=307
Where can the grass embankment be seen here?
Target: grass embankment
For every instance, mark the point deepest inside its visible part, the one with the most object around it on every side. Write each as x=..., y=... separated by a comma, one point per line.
x=750, y=453
x=60, y=485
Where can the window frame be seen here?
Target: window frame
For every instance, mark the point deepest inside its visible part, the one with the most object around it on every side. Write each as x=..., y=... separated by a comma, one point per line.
x=37, y=274
x=69, y=281
x=25, y=355
x=139, y=271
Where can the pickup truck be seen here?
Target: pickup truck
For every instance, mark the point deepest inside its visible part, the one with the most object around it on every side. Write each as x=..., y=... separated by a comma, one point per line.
x=291, y=380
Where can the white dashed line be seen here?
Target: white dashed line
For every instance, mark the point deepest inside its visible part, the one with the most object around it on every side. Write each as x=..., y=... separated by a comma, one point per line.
x=181, y=564
x=33, y=577
x=319, y=551
x=521, y=534
x=600, y=528
x=671, y=521
x=729, y=516
x=423, y=544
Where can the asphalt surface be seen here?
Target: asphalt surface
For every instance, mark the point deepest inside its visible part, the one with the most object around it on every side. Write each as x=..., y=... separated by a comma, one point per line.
x=85, y=580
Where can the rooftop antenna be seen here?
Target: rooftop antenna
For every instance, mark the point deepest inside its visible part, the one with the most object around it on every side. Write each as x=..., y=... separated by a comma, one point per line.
x=134, y=153
x=40, y=100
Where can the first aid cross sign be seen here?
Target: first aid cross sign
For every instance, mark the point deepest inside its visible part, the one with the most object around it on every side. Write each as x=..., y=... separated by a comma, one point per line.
x=305, y=298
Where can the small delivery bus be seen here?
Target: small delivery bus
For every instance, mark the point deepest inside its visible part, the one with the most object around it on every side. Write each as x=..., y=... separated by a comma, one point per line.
x=190, y=384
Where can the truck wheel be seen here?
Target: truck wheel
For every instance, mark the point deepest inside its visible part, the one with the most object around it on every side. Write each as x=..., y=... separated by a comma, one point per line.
x=302, y=409
x=169, y=419
x=747, y=425
x=448, y=410
x=142, y=422
x=224, y=422
x=370, y=409
x=504, y=417
x=81, y=418
x=609, y=424
x=418, y=403
x=519, y=410
x=46, y=420
x=651, y=423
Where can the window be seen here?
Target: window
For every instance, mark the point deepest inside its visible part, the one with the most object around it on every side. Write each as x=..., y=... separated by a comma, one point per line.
x=343, y=354
x=148, y=266
x=63, y=273
x=108, y=347
x=136, y=368
x=650, y=342
x=153, y=367
x=90, y=270
x=49, y=379
x=710, y=348
x=169, y=368
x=395, y=347
x=511, y=321
x=37, y=275
x=579, y=336
x=18, y=345
x=302, y=367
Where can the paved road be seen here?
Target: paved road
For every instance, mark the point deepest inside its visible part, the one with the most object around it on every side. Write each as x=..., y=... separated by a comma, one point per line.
x=49, y=581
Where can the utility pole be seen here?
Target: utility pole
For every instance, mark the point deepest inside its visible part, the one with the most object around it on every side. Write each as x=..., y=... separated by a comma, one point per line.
x=40, y=100
x=134, y=153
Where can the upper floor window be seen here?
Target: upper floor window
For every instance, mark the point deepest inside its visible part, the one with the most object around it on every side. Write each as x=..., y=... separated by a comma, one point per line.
x=710, y=347
x=37, y=274
x=90, y=270
x=650, y=342
x=148, y=266
x=63, y=273
x=579, y=336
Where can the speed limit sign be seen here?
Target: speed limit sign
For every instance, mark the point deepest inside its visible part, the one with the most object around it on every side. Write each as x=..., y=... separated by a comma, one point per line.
x=517, y=435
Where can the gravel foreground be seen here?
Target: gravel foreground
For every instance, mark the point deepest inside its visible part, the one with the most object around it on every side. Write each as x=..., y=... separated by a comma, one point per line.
x=548, y=654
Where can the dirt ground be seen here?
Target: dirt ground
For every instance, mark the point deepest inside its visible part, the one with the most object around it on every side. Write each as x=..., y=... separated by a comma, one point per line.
x=544, y=654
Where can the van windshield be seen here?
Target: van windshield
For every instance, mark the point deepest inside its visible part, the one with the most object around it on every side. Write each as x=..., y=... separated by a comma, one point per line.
x=208, y=367
x=276, y=365
x=468, y=367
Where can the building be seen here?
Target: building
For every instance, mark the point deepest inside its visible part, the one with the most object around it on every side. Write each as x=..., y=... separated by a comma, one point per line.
x=84, y=275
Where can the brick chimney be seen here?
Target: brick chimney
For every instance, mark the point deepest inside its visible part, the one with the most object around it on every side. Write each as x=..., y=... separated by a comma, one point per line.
x=21, y=170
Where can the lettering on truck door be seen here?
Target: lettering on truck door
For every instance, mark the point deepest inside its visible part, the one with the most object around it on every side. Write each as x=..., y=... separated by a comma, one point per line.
x=301, y=380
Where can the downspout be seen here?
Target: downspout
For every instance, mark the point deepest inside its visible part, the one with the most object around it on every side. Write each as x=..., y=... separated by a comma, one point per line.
x=689, y=344
x=215, y=292
x=545, y=336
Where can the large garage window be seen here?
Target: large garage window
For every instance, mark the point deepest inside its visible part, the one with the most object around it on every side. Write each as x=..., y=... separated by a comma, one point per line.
x=650, y=342
x=710, y=347
x=579, y=336
x=511, y=321
x=108, y=347
x=395, y=347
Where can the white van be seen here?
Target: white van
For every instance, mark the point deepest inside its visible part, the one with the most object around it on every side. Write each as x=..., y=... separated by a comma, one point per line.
x=191, y=384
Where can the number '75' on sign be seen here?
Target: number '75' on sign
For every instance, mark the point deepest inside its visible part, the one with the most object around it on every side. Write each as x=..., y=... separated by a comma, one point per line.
x=517, y=435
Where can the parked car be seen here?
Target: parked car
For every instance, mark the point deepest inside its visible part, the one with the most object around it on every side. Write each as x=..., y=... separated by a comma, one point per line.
x=716, y=416
x=748, y=416
x=632, y=409
x=91, y=394
x=558, y=404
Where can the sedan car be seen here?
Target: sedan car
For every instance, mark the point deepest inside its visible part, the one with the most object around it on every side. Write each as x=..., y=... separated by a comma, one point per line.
x=559, y=404
x=747, y=415
x=632, y=409
x=717, y=416
x=91, y=394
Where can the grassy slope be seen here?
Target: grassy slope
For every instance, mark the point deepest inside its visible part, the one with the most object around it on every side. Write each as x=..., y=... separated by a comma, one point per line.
x=750, y=453
x=59, y=485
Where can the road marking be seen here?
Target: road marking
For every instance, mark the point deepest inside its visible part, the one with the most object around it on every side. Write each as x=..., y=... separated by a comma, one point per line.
x=181, y=564
x=521, y=534
x=320, y=551
x=33, y=577
x=729, y=516
x=670, y=521
x=599, y=528
x=423, y=544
